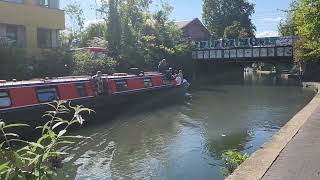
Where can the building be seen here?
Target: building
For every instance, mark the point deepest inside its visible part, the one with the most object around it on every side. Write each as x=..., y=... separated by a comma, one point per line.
x=31, y=24
x=194, y=30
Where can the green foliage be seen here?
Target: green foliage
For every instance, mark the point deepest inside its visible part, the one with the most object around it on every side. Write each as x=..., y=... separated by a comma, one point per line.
x=86, y=63
x=93, y=32
x=220, y=14
x=75, y=18
x=39, y=159
x=13, y=63
x=287, y=27
x=51, y=63
x=114, y=30
x=232, y=161
x=235, y=31
x=138, y=38
x=306, y=15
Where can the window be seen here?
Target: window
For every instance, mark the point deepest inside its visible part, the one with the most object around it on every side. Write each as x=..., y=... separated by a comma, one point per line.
x=147, y=82
x=44, y=3
x=121, y=85
x=82, y=90
x=12, y=34
x=47, y=94
x=5, y=100
x=44, y=38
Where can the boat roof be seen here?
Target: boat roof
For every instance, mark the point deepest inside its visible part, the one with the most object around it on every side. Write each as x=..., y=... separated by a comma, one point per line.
x=66, y=79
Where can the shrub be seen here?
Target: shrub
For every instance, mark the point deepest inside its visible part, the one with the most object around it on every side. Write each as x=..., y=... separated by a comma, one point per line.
x=87, y=63
x=232, y=161
x=16, y=64
x=52, y=63
x=37, y=160
x=13, y=63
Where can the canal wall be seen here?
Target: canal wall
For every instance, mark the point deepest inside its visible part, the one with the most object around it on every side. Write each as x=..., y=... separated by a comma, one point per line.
x=256, y=166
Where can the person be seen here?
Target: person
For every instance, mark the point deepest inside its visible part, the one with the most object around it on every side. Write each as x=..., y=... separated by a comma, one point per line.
x=163, y=66
x=98, y=83
x=180, y=74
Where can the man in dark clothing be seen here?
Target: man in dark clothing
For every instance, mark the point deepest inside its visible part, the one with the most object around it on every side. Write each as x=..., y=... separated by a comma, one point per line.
x=163, y=66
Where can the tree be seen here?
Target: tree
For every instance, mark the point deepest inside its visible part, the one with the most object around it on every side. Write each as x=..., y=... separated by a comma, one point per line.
x=113, y=35
x=93, y=32
x=306, y=15
x=220, y=14
x=287, y=26
x=138, y=37
x=75, y=18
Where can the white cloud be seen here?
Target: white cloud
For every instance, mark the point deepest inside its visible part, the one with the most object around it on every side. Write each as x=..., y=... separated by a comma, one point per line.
x=276, y=19
x=267, y=34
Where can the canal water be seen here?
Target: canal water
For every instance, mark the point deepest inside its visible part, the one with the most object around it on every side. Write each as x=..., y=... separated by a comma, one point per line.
x=187, y=140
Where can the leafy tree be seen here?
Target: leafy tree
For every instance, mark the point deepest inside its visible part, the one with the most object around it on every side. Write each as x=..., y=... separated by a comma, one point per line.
x=113, y=35
x=75, y=17
x=235, y=31
x=220, y=14
x=287, y=27
x=92, y=32
x=306, y=15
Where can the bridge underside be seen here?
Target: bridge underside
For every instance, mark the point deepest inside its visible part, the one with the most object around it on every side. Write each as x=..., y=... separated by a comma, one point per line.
x=271, y=60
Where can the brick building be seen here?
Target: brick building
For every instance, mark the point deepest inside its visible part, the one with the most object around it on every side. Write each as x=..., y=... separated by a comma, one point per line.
x=194, y=30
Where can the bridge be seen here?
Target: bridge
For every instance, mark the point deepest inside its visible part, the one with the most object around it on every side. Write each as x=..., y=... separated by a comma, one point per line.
x=268, y=49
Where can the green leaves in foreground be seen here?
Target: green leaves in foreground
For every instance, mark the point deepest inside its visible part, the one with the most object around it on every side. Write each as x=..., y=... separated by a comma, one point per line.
x=39, y=159
x=232, y=161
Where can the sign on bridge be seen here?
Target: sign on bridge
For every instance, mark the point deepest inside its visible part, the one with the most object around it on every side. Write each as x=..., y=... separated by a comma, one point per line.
x=248, y=48
x=245, y=42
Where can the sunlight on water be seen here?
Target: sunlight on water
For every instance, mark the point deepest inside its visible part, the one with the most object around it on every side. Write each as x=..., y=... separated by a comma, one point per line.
x=186, y=141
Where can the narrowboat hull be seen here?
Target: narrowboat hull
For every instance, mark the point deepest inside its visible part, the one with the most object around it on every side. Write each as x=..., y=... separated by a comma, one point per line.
x=105, y=107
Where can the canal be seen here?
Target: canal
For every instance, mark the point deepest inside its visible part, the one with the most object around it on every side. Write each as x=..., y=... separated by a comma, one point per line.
x=187, y=140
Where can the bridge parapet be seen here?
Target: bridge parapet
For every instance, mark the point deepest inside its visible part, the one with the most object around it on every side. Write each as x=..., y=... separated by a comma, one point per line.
x=245, y=49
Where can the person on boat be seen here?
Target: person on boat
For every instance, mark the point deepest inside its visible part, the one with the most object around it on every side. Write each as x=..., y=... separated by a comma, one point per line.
x=163, y=66
x=178, y=80
x=98, y=84
x=180, y=74
x=169, y=74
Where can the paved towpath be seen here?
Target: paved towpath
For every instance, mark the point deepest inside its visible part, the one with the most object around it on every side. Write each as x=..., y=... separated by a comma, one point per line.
x=300, y=159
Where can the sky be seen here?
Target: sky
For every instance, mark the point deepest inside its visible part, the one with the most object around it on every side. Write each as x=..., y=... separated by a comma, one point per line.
x=266, y=18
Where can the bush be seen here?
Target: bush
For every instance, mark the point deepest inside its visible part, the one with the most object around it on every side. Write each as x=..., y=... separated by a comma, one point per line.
x=87, y=63
x=13, y=63
x=16, y=64
x=52, y=63
x=37, y=160
x=232, y=161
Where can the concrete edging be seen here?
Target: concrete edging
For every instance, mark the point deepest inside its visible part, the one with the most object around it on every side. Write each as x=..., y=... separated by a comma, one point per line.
x=255, y=167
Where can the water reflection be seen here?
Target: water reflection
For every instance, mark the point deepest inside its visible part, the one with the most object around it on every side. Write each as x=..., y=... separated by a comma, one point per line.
x=186, y=141
x=254, y=78
x=217, y=146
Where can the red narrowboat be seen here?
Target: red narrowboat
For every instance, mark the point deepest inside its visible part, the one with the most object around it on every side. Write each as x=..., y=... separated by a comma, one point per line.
x=22, y=99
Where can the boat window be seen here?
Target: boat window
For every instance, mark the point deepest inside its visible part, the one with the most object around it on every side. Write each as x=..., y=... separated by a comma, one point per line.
x=147, y=82
x=5, y=100
x=82, y=90
x=47, y=94
x=121, y=85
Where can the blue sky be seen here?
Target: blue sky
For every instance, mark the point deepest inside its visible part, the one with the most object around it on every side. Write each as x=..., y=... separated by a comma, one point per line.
x=266, y=18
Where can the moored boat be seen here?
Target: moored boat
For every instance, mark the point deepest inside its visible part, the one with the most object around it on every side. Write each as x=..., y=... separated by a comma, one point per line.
x=20, y=100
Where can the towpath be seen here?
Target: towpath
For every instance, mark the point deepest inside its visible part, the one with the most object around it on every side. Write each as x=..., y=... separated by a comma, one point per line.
x=300, y=159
